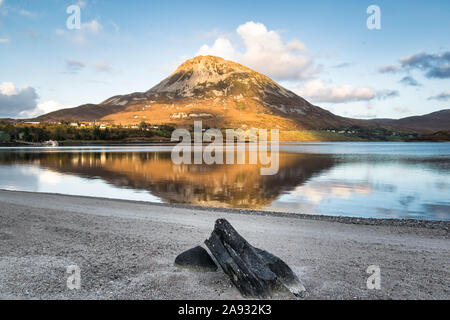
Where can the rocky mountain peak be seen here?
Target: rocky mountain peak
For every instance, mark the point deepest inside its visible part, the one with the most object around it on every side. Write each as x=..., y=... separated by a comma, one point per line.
x=209, y=76
x=212, y=65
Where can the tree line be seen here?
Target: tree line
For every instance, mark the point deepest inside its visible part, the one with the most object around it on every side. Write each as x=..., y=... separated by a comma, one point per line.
x=64, y=132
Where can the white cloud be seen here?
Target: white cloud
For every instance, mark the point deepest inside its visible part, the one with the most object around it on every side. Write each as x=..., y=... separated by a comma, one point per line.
x=5, y=40
x=103, y=66
x=433, y=65
x=214, y=33
x=25, y=13
x=1, y=1
x=14, y=101
x=31, y=33
x=60, y=32
x=23, y=103
x=74, y=66
x=386, y=94
x=8, y=89
x=115, y=26
x=93, y=27
x=51, y=105
x=317, y=91
x=402, y=109
x=443, y=96
x=76, y=63
x=81, y=37
x=365, y=116
x=389, y=69
x=222, y=47
x=266, y=52
x=43, y=108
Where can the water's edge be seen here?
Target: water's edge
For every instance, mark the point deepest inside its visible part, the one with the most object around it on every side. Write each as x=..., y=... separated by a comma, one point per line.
x=416, y=223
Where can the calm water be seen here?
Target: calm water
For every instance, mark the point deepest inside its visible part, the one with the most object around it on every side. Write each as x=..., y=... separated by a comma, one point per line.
x=381, y=180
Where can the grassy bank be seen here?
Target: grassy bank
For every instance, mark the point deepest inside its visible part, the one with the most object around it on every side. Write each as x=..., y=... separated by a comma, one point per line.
x=315, y=136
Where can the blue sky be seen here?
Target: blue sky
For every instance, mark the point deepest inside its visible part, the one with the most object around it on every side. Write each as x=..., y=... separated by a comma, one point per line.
x=322, y=50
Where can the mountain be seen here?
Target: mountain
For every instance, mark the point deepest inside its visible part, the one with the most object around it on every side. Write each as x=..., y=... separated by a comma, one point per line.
x=428, y=123
x=221, y=93
x=225, y=94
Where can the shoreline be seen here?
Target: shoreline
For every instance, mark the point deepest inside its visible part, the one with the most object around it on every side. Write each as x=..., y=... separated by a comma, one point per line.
x=168, y=142
x=420, y=223
x=126, y=250
x=88, y=143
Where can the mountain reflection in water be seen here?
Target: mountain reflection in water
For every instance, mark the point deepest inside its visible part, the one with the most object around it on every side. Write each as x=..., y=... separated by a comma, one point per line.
x=231, y=186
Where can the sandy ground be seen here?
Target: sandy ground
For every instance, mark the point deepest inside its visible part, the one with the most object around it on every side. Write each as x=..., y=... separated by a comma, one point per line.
x=126, y=250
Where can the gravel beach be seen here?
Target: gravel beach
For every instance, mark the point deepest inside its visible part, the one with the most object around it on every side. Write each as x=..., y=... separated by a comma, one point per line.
x=126, y=250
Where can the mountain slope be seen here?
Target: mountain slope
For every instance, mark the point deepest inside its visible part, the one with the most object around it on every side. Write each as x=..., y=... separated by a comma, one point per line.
x=221, y=93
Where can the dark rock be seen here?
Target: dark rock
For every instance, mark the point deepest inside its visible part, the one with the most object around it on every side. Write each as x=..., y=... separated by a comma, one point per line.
x=196, y=258
x=255, y=272
x=284, y=273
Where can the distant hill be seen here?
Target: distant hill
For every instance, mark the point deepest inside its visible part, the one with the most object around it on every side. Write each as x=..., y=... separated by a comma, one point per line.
x=436, y=137
x=428, y=123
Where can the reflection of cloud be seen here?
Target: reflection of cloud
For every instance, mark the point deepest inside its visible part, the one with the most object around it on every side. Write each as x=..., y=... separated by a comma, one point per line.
x=50, y=177
x=316, y=192
x=383, y=213
x=442, y=186
x=405, y=201
x=438, y=211
x=13, y=179
x=429, y=212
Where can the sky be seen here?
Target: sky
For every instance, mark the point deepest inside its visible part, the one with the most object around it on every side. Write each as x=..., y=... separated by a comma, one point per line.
x=322, y=50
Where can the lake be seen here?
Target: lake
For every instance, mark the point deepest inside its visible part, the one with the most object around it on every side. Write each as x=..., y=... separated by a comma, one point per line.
x=378, y=180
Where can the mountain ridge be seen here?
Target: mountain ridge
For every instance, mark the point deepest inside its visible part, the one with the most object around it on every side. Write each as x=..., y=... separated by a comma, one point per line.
x=427, y=123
